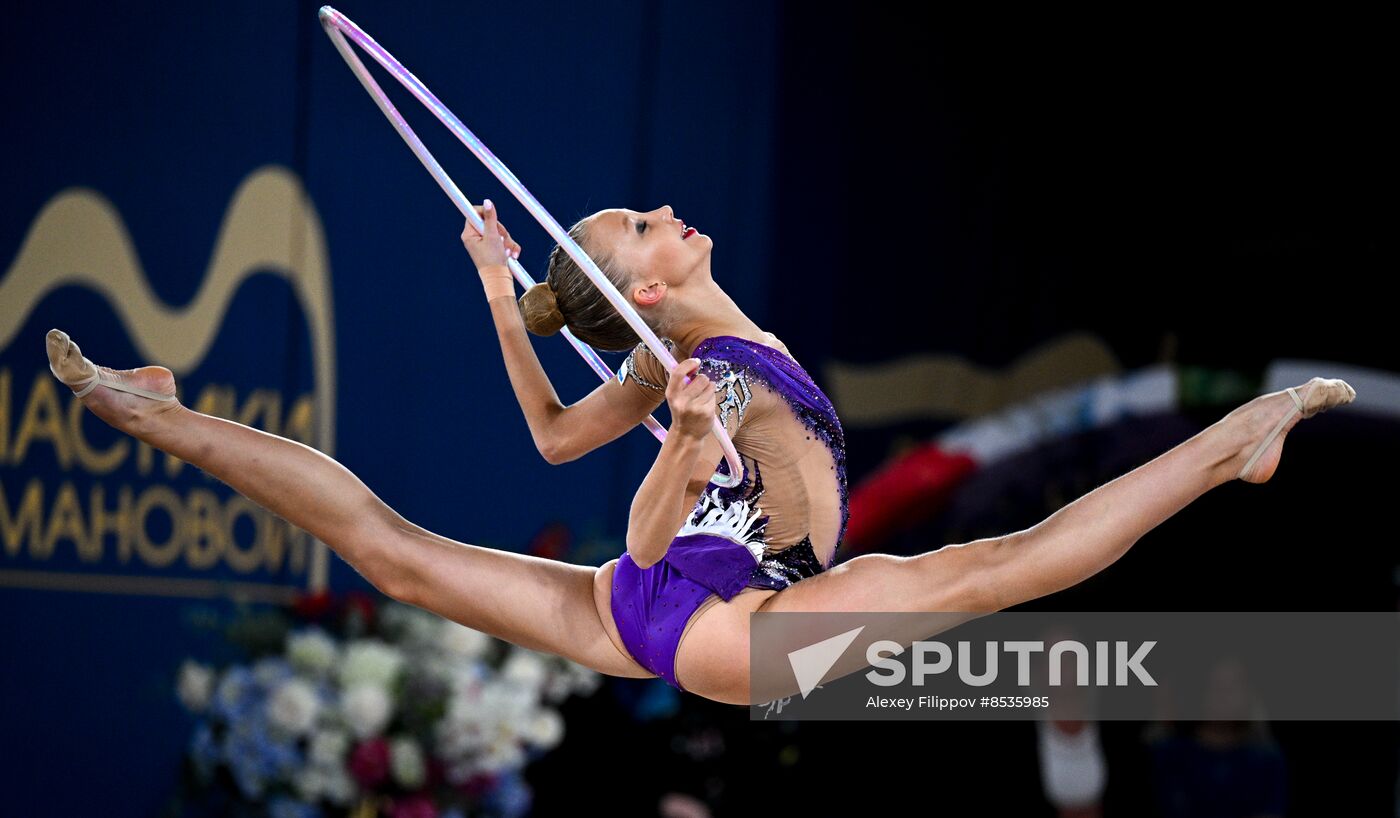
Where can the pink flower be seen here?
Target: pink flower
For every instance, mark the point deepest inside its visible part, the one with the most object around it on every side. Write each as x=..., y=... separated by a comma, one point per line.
x=414, y=806
x=369, y=762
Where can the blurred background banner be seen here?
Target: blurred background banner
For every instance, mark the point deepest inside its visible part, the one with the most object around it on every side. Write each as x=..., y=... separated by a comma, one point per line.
x=208, y=188
x=1020, y=260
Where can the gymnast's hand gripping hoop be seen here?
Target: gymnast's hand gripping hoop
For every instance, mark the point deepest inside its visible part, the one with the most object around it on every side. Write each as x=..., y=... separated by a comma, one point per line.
x=338, y=27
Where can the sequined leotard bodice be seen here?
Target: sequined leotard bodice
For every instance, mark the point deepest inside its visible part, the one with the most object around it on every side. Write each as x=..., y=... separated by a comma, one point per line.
x=790, y=441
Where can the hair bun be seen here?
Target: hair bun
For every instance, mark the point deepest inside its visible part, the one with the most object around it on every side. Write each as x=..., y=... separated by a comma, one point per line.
x=540, y=309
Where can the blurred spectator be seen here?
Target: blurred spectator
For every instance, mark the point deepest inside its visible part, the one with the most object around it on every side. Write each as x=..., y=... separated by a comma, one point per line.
x=1073, y=771
x=1225, y=767
x=1072, y=767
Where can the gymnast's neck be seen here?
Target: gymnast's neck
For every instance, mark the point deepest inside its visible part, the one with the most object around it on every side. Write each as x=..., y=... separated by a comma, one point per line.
x=701, y=309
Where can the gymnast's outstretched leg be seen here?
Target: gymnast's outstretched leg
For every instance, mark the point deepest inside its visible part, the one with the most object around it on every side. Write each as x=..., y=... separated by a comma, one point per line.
x=537, y=603
x=1066, y=548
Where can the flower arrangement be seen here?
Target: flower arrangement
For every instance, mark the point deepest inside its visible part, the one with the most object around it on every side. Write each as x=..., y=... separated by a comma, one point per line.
x=348, y=707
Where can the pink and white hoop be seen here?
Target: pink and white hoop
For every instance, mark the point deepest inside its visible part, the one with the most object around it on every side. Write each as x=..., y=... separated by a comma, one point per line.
x=338, y=27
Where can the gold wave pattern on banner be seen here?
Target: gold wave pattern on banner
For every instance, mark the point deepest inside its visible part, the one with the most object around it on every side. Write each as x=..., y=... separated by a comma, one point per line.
x=271, y=225
x=950, y=387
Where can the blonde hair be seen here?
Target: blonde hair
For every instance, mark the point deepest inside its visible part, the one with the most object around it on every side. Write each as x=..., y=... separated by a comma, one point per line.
x=569, y=296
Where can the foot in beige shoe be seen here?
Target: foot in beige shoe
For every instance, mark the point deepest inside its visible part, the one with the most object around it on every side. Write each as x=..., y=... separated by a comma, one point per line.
x=134, y=396
x=1270, y=417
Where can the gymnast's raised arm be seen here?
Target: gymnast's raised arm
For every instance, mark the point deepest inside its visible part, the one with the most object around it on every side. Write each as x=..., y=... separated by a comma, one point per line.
x=561, y=433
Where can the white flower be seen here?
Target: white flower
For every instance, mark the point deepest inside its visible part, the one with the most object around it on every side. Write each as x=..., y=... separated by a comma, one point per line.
x=502, y=756
x=459, y=772
x=328, y=747
x=370, y=661
x=570, y=678
x=416, y=625
x=339, y=787
x=406, y=760
x=367, y=709
x=526, y=667
x=195, y=685
x=465, y=674
x=310, y=783
x=311, y=651
x=586, y=680
x=546, y=729
x=507, y=703
x=294, y=707
x=461, y=731
x=461, y=640
x=557, y=688
x=325, y=773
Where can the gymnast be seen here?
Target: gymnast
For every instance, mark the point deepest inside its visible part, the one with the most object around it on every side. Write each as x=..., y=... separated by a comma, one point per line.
x=699, y=558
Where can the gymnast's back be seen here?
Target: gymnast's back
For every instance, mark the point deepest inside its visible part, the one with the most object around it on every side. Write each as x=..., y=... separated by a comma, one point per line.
x=789, y=439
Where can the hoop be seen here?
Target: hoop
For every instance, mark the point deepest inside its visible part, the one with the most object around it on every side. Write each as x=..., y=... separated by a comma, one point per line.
x=338, y=27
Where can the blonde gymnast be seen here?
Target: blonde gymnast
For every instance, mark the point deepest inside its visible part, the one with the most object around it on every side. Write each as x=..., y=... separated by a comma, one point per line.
x=699, y=558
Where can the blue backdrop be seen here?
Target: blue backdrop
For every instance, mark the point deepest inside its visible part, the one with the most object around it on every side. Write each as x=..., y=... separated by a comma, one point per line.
x=209, y=188
x=164, y=112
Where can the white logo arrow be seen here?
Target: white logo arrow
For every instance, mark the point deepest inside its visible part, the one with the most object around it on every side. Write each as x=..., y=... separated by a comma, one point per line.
x=811, y=663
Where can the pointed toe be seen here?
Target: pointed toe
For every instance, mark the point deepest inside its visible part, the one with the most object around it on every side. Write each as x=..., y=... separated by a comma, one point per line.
x=66, y=360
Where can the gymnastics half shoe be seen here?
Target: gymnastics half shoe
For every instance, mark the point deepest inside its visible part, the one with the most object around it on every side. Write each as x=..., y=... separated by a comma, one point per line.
x=154, y=396
x=67, y=363
x=1319, y=395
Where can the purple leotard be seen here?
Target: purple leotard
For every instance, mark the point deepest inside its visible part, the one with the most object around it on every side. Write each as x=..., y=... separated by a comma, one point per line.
x=727, y=543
